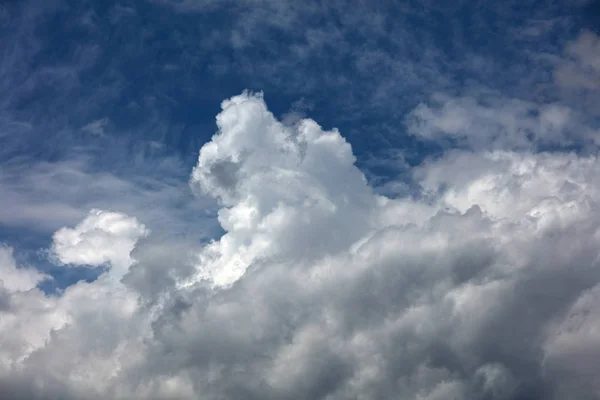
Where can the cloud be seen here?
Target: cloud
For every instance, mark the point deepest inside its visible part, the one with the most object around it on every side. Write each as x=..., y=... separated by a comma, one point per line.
x=74, y=341
x=377, y=63
x=40, y=197
x=490, y=120
x=484, y=287
x=576, y=72
x=13, y=278
x=102, y=237
x=571, y=345
x=478, y=279
x=270, y=178
x=502, y=183
x=581, y=67
x=96, y=127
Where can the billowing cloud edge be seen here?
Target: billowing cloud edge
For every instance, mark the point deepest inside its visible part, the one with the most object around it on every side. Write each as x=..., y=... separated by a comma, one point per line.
x=322, y=288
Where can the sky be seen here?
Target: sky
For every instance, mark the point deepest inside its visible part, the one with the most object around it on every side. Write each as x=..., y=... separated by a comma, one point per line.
x=272, y=199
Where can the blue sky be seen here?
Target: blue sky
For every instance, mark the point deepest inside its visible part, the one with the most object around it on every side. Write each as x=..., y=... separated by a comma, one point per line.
x=125, y=84
x=110, y=177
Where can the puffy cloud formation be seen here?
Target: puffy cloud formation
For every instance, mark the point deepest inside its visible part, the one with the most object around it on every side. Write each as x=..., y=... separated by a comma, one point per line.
x=16, y=279
x=485, y=120
x=101, y=238
x=297, y=184
x=483, y=286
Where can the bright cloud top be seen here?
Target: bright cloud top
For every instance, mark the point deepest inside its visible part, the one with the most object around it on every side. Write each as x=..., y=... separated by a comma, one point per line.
x=484, y=286
x=101, y=238
x=294, y=183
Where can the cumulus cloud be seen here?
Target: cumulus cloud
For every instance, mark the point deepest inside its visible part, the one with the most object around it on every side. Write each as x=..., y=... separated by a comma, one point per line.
x=14, y=278
x=101, y=238
x=73, y=342
x=298, y=184
x=483, y=287
x=479, y=280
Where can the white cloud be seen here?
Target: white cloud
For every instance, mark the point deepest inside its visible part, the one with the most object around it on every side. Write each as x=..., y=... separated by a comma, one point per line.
x=481, y=286
x=484, y=291
x=489, y=120
x=79, y=336
x=298, y=184
x=509, y=185
x=102, y=237
x=14, y=278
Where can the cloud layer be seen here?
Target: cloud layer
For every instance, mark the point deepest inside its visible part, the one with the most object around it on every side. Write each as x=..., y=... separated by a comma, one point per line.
x=484, y=286
x=270, y=264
